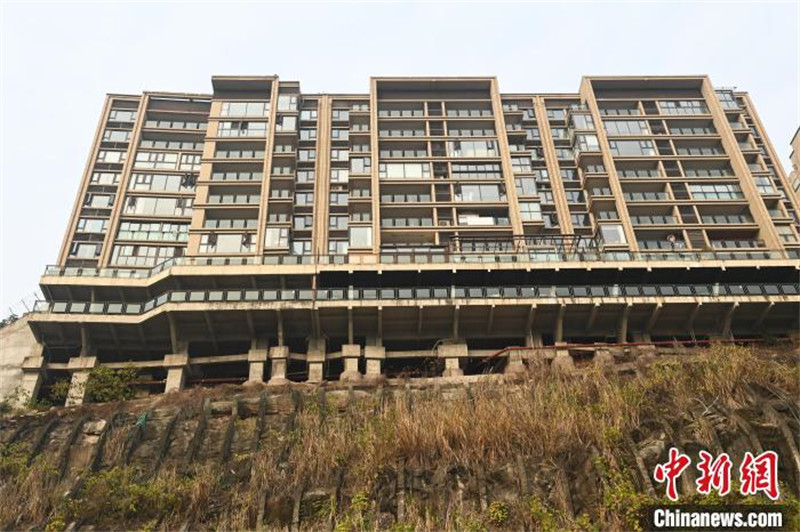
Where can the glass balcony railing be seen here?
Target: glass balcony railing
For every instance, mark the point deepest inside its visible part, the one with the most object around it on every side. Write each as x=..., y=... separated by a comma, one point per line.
x=301, y=295
x=476, y=256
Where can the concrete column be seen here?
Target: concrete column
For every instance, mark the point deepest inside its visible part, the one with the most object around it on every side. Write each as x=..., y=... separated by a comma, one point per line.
x=176, y=366
x=558, y=333
x=374, y=355
x=350, y=355
x=257, y=360
x=452, y=353
x=603, y=357
x=315, y=357
x=80, y=368
x=516, y=360
x=563, y=361
x=622, y=326
x=279, y=359
x=32, y=377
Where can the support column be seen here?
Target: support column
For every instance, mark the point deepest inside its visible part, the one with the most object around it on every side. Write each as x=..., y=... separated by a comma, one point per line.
x=452, y=353
x=315, y=357
x=558, y=333
x=80, y=368
x=32, y=378
x=176, y=366
x=374, y=355
x=279, y=358
x=516, y=360
x=350, y=355
x=257, y=360
x=622, y=328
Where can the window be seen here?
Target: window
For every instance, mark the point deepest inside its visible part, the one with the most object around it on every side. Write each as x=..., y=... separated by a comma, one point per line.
x=612, y=234
x=305, y=176
x=287, y=102
x=91, y=225
x=308, y=114
x=340, y=134
x=85, y=251
x=340, y=155
x=471, y=148
x=340, y=115
x=276, y=237
x=121, y=115
x=626, y=127
x=143, y=255
x=360, y=237
x=765, y=185
x=244, y=109
x=337, y=223
x=301, y=223
x=582, y=122
x=337, y=247
x=99, y=201
x=683, y=107
x=158, y=182
x=227, y=243
x=476, y=171
x=620, y=109
x=526, y=186
x=104, y=178
x=111, y=156
x=190, y=161
x=530, y=211
x=153, y=231
x=786, y=233
x=338, y=198
x=480, y=193
x=113, y=135
x=307, y=155
x=404, y=170
x=521, y=165
x=156, y=160
x=159, y=206
x=301, y=247
x=308, y=134
x=304, y=198
x=627, y=148
x=339, y=175
x=716, y=191
x=242, y=129
x=360, y=165
x=588, y=143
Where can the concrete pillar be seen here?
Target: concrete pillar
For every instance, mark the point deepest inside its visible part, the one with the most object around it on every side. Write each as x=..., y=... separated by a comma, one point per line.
x=176, y=366
x=279, y=359
x=315, y=357
x=257, y=360
x=32, y=377
x=603, y=357
x=80, y=368
x=563, y=361
x=452, y=354
x=516, y=360
x=558, y=333
x=350, y=355
x=374, y=355
x=622, y=328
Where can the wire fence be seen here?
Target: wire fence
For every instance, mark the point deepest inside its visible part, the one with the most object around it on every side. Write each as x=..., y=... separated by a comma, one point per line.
x=19, y=309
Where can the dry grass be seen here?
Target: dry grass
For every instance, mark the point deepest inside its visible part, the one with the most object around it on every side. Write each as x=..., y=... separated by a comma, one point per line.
x=544, y=415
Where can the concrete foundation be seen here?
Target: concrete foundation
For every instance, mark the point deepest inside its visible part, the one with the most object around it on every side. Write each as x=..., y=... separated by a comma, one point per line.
x=351, y=353
x=452, y=354
x=176, y=365
x=279, y=360
x=81, y=368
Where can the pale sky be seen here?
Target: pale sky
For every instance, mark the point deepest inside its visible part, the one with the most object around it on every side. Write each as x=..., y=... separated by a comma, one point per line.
x=57, y=60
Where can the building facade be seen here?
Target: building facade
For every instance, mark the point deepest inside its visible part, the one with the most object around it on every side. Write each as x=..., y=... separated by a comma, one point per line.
x=260, y=233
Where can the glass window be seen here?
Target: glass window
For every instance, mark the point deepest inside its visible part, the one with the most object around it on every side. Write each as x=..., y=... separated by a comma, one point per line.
x=626, y=148
x=276, y=237
x=287, y=102
x=113, y=135
x=244, y=109
x=111, y=156
x=530, y=211
x=612, y=234
x=360, y=237
x=404, y=170
x=626, y=127
x=242, y=129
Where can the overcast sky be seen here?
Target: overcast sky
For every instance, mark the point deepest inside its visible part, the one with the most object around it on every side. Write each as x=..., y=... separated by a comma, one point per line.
x=57, y=60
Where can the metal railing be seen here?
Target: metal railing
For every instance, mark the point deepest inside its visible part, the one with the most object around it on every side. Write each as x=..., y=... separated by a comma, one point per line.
x=443, y=257
x=416, y=294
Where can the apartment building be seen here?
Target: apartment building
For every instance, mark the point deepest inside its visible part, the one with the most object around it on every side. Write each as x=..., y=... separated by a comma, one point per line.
x=258, y=233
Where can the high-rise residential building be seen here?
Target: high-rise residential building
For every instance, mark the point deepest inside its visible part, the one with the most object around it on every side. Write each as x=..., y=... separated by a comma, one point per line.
x=260, y=233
